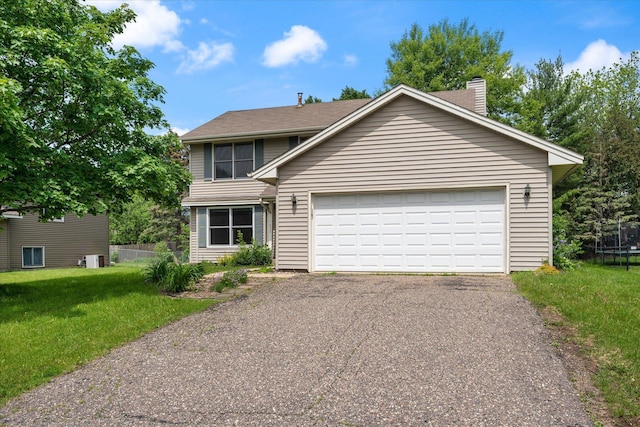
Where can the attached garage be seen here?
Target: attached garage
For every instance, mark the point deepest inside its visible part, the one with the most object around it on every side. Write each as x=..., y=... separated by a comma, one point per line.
x=413, y=183
x=421, y=231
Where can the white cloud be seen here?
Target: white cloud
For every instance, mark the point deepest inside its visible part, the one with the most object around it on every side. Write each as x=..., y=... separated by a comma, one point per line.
x=155, y=25
x=206, y=56
x=596, y=55
x=299, y=44
x=350, y=60
x=179, y=131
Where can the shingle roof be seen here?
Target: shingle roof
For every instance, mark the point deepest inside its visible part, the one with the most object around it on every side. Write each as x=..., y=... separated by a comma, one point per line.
x=275, y=120
x=464, y=98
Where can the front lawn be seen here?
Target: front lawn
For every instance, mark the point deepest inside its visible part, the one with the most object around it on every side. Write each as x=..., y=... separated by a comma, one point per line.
x=603, y=304
x=52, y=321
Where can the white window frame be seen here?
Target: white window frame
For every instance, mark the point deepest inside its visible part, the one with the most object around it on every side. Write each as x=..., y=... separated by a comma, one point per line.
x=232, y=237
x=33, y=247
x=233, y=159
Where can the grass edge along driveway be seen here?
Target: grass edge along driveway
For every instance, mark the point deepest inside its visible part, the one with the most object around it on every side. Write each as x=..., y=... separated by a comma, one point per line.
x=52, y=321
x=602, y=304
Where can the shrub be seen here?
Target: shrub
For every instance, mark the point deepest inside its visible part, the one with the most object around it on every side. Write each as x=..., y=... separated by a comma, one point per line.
x=115, y=257
x=180, y=277
x=230, y=279
x=156, y=271
x=161, y=248
x=226, y=260
x=253, y=254
x=547, y=269
x=565, y=250
x=172, y=277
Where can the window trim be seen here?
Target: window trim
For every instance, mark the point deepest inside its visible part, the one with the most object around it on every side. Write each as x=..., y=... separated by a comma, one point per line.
x=232, y=238
x=233, y=160
x=33, y=247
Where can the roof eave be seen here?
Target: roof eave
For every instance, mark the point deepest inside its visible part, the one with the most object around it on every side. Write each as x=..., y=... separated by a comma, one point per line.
x=233, y=136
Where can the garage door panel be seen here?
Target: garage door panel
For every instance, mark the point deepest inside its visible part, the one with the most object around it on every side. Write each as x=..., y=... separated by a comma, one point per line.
x=418, y=232
x=415, y=218
x=416, y=239
x=369, y=240
x=465, y=240
x=391, y=219
x=442, y=240
x=491, y=239
x=439, y=218
x=391, y=240
x=393, y=261
x=489, y=217
x=417, y=261
x=369, y=219
x=347, y=240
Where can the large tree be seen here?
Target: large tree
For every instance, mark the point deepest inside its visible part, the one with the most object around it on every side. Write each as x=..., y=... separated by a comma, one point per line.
x=75, y=113
x=447, y=56
x=609, y=127
x=551, y=104
x=551, y=109
x=350, y=93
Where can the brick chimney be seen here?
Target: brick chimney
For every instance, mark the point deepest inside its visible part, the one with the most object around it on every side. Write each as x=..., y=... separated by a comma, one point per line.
x=480, y=86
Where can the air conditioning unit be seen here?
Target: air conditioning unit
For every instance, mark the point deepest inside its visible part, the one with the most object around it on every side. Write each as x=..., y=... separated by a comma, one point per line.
x=94, y=261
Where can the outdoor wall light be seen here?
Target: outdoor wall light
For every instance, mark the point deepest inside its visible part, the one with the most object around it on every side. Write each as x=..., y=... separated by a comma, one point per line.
x=294, y=199
x=527, y=191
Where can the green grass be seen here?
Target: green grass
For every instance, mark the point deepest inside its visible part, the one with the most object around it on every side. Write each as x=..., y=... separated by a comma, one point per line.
x=603, y=304
x=52, y=321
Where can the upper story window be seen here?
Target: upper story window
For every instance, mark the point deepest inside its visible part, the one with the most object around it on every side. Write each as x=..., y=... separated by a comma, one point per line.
x=58, y=219
x=233, y=161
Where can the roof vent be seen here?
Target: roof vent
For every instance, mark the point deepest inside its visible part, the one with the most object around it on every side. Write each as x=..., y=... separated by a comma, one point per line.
x=299, y=99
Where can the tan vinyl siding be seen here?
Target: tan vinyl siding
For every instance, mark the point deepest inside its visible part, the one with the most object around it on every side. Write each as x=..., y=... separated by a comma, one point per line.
x=4, y=245
x=196, y=162
x=64, y=242
x=227, y=189
x=274, y=147
x=408, y=145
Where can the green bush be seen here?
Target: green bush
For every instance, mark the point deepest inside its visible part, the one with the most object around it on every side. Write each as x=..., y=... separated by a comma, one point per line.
x=161, y=248
x=172, y=277
x=226, y=260
x=230, y=279
x=253, y=254
x=156, y=271
x=180, y=277
x=565, y=250
x=115, y=257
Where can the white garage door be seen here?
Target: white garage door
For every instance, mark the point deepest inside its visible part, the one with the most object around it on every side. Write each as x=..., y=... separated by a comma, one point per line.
x=455, y=231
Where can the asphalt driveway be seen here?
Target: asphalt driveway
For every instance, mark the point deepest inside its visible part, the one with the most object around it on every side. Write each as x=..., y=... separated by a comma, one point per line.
x=348, y=350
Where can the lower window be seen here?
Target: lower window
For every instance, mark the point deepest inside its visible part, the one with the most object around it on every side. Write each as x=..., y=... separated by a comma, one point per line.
x=33, y=257
x=229, y=226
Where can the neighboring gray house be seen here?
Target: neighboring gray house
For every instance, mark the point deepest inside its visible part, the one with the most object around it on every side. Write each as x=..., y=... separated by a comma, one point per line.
x=406, y=182
x=27, y=243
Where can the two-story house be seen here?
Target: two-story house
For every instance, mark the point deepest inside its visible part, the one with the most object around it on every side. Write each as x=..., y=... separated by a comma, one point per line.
x=223, y=199
x=26, y=242
x=407, y=182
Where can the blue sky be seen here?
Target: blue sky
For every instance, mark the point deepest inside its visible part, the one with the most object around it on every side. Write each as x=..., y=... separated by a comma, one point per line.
x=215, y=56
